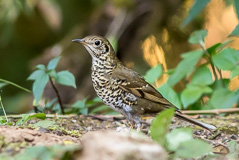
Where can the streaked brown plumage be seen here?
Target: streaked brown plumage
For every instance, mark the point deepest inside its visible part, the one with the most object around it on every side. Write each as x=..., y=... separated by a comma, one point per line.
x=123, y=89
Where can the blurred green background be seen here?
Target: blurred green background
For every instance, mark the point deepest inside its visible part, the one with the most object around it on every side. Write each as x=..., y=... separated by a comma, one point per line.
x=144, y=32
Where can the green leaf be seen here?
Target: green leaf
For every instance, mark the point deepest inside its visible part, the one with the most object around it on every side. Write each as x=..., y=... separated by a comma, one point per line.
x=154, y=73
x=84, y=111
x=185, y=67
x=160, y=126
x=53, y=63
x=202, y=76
x=170, y=95
x=53, y=74
x=66, y=78
x=193, y=148
x=198, y=37
x=55, y=151
x=41, y=67
x=234, y=73
x=36, y=74
x=227, y=59
x=44, y=124
x=79, y=104
x=212, y=50
x=233, y=146
x=39, y=86
x=190, y=95
x=223, y=98
x=26, y=117
x=3, y=85
x=100, y=109
x=234, y=150
x=97, y=100
x=194, y=11
x=236, y=5
x=51, y=103
x=177, y=136
x=113, y=41
x=235, y=32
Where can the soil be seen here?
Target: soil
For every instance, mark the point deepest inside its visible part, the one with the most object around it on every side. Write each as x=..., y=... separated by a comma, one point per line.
x=71, y=128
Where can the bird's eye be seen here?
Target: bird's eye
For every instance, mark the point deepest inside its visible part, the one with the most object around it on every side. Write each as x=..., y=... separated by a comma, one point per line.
x=97, y=43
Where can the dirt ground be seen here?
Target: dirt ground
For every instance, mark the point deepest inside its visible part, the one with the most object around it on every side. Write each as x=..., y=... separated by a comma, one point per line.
x=71, y=129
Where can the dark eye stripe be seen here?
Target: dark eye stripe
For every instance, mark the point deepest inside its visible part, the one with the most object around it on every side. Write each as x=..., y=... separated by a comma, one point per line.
x=106, y=48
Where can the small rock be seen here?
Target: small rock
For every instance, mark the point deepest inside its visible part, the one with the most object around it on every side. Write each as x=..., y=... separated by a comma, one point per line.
x=111, y=145
x=27, y=137
x=234, y=137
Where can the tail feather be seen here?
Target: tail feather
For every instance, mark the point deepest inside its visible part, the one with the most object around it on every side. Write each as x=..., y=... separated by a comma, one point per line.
x=193, y=121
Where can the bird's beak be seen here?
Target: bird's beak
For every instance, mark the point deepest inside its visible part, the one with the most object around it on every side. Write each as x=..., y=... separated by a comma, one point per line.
x=79, y=41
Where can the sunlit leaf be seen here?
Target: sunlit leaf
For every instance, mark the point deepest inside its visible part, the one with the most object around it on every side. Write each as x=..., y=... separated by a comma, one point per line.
x=170, y=95
x=154, y=73
x=198, y=37
x=66, y=78
x=195, y=10
x=160, y=126
x=185, y=67
x=53, y=63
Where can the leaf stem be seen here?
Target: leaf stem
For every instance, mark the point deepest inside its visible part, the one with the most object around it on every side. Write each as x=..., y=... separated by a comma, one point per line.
x=57, y=94
x=202, y=44
x=14, y=84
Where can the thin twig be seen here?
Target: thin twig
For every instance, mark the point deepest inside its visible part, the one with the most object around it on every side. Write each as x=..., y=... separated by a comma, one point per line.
x=212, y=111
x=1, y=105
x=14, y=84
x=58, y=95
x=220, y=74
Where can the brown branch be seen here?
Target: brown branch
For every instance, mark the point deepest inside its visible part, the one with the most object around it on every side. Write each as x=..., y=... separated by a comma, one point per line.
x=213, y=111
x=58, y=95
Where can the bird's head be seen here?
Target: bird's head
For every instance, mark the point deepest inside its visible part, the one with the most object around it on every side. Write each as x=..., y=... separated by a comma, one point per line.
x=98, y=47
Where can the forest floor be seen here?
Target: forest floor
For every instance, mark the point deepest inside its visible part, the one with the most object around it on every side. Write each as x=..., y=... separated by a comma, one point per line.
x=60, y=136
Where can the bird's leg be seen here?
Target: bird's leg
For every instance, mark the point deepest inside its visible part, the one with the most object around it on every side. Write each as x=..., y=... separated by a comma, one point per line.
x=139, y=127
x=132, y=124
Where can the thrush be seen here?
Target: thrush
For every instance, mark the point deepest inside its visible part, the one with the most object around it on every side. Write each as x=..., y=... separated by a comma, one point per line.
x=123, y=89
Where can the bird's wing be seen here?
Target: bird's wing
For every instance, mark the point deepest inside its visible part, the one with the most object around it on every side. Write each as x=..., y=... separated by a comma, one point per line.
x=136, y=84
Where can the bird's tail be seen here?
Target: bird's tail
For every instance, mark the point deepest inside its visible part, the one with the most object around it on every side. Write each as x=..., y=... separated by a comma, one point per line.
x=193, y=121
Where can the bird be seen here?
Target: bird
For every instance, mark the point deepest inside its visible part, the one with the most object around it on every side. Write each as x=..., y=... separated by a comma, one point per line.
x=123, y=89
